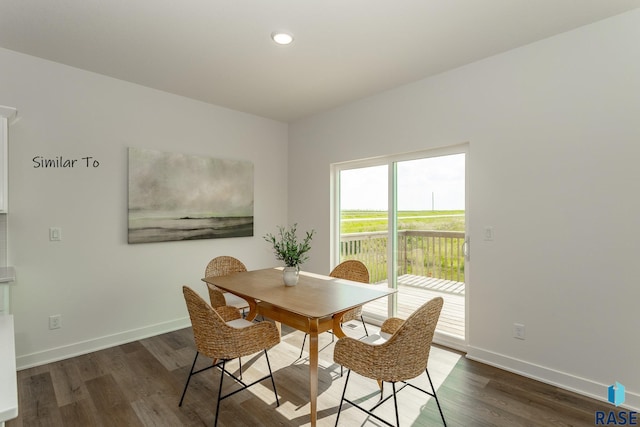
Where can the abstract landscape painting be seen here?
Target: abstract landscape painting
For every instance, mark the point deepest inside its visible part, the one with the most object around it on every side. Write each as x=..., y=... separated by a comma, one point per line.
x=184, y=197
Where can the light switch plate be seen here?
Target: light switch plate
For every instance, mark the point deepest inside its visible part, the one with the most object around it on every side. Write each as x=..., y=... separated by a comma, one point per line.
x=488, y=233
x=55, y=234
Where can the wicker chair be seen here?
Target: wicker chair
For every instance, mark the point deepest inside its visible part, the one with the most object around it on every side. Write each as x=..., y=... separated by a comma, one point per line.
x=227, y=312
x=224, y=266
x=398, y=354
x=350, y=270
x=226, y=338
x=216, y=297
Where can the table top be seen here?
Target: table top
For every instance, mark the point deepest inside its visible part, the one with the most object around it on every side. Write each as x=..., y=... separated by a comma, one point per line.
x=315, y=296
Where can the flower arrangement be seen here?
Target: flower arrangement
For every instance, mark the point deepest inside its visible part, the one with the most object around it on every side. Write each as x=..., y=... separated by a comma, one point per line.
x=287, y=248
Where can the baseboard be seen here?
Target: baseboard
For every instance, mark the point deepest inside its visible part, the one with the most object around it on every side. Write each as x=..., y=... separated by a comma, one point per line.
x=451, y=341
x=89, y=346
x=559, y=379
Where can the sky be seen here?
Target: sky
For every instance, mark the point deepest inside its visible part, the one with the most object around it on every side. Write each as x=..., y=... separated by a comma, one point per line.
x=435, y=183
x=189, y=185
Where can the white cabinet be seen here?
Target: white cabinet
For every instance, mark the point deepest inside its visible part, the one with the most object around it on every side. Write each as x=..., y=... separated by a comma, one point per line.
x=6, y=114
x=7, y=274
x=3, y=164
x=8, y=377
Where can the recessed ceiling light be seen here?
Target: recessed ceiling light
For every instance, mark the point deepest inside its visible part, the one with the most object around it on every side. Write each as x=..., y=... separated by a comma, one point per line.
x=281, y=37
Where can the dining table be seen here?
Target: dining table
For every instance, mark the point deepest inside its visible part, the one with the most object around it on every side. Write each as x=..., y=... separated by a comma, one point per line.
x=314, y=305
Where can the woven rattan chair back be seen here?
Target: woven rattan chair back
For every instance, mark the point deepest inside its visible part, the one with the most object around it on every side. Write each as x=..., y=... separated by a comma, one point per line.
x=413, y=342
x=216, y=296
x=217, y=340
x=223, y=266
x=403, y=356
x=205, y=323
x=358, y=272
x=351, y=270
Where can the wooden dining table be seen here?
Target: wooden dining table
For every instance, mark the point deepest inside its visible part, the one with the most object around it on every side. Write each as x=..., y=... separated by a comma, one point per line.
x=315, y=305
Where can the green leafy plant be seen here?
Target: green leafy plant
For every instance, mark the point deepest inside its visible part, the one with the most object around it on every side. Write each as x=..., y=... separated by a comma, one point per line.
x=287, y=248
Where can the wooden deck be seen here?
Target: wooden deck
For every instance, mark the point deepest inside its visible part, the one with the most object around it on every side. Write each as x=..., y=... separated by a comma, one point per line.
x=413, y=291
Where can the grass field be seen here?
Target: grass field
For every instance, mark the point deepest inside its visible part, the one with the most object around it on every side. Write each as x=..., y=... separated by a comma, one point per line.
x=365, y=221
x=418, y=253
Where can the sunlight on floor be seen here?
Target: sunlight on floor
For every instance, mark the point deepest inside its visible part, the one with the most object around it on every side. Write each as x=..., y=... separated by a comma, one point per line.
x=416, y=407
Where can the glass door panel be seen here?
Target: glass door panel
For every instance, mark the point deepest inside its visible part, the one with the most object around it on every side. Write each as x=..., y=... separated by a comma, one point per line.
x=364, y=223
x=430, y=236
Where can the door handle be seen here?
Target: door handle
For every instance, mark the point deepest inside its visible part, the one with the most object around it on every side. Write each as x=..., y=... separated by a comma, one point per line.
x=466, y=248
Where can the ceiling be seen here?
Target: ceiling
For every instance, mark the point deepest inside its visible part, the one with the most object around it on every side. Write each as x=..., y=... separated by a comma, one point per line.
x=220, y=51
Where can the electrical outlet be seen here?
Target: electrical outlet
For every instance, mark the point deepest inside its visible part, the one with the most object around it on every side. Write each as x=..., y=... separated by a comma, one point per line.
x=518, y=331
x=55, y=321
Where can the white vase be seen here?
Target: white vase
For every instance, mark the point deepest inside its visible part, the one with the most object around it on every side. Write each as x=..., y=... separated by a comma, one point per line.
x=290, y=276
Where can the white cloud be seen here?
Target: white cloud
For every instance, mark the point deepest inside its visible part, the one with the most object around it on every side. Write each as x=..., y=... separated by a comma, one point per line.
x=423, y=184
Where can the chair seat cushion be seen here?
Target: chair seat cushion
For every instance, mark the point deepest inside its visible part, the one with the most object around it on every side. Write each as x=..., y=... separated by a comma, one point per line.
x=240, y=323
x=377, y=339
x=235, y=301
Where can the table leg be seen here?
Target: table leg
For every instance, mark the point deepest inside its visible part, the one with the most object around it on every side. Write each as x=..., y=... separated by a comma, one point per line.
x=337, y=325
x=253, y=309
x=313, y=370
x=279, y=327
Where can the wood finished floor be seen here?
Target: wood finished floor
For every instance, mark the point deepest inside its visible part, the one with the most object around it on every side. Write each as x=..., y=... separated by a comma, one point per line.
x=139, y=384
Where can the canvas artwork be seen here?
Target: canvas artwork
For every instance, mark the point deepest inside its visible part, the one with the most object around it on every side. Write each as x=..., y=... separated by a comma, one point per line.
x=184, y=197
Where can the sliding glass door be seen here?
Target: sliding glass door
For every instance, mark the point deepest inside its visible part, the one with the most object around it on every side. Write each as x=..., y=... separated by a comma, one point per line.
x=404, y=217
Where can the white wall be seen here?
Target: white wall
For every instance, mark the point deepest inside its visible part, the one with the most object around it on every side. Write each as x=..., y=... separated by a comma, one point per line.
x=554, y=132
x=106, y=290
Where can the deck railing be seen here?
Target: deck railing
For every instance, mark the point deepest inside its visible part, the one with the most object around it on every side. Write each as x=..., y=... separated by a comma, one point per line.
x=438, y=254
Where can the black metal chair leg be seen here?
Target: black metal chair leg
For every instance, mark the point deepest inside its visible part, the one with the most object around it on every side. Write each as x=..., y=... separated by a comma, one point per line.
x=240, y=362
x=273, y=383
x=188, y=378
x=436, y=398
x=364, y=326
x=344, y=391
x=395, y=404
x=383, y=400
x=302, y=348
x=215, y=423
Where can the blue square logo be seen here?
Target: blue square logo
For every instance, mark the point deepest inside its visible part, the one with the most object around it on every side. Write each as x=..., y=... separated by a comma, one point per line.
x=616, y=394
